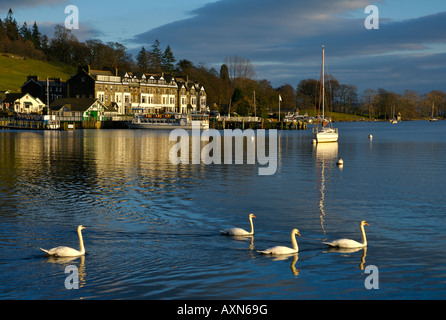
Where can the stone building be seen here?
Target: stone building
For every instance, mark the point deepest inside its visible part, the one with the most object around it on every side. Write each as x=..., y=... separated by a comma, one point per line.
x=138, y=92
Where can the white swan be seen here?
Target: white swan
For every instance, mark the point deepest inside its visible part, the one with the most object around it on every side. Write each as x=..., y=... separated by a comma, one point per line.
x=67, y=251
x=240, y=231
x=282, y=249
x=348, y=243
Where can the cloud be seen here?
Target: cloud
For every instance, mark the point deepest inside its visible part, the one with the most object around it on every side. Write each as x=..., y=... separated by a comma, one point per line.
x=247, y=26
x=85, y=32
x=283, y=39
x=15, y=4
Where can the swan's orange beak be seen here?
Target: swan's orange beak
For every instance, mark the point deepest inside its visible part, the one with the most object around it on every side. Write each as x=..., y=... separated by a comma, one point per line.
x=254, y=216
x=366, y=223
x=298, y=234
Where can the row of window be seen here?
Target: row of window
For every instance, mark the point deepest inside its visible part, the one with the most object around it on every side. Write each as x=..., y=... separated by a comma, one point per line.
x=112, y=88
x=144, y=99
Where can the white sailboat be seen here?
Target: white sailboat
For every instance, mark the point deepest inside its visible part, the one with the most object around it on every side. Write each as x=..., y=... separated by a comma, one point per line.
x=394, y=120
x=324, y=132
x=433, y=118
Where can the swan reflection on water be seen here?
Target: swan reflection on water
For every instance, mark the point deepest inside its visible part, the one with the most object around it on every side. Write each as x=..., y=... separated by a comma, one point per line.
x=69, y=261
x=350, y=250
x=245, y=238
x=284, y=257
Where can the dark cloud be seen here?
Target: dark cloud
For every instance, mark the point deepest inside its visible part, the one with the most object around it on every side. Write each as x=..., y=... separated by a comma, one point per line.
x=85, y=32
x=14, y=4
x=283, y=40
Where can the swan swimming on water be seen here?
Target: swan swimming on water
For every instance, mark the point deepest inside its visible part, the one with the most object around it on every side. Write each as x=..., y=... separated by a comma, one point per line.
x=240, y=231
x=67, y=251
x=282, y=249
x=348, y=243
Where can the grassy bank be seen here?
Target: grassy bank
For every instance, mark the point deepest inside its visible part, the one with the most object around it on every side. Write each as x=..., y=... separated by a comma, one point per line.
x=14, y=71
x=335, y=116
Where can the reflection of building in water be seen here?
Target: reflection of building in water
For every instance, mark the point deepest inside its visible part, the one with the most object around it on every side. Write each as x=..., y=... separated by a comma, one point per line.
x=326, y=155
x=123, y=149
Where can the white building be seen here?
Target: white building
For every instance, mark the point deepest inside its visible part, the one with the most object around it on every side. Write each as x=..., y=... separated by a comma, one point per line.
x=28, y=104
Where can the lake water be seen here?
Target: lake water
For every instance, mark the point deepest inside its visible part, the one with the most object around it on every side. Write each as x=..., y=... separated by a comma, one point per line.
x=153, y=227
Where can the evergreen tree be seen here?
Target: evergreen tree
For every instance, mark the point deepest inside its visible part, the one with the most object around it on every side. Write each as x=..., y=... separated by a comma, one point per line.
x=35, y=36
x=12, y=30
x=168, y=60
x=2, y=30
x=25, y=32
x=185, y=66
x=224, y=73
x=155, y=57
x=142, y=60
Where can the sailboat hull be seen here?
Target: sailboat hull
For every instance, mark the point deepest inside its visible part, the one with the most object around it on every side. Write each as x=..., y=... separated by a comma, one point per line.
x=326, y=135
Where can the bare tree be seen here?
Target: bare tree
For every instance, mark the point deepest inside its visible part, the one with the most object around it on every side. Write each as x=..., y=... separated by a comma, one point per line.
x=239, y=68
x=368, y=98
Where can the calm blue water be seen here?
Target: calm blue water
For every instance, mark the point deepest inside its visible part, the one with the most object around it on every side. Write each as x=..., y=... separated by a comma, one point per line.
x=153, y=227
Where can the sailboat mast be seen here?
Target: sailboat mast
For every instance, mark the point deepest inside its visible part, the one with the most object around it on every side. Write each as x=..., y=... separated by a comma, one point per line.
x=323, y=83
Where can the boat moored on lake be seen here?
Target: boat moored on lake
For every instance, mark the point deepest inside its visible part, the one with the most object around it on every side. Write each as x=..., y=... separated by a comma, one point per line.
x=169, y=121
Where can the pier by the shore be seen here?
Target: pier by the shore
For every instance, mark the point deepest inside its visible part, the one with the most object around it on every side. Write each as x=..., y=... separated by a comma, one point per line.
x=20, y=124
x=30, y=124
x=262, y=124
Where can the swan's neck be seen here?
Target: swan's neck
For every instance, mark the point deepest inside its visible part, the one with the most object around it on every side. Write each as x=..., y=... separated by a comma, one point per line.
x=294, y=242
x=252, y=225
x=364, y=239
x=81, y=241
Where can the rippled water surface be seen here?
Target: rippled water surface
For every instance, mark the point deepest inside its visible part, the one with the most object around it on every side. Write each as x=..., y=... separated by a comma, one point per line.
x=153, y=227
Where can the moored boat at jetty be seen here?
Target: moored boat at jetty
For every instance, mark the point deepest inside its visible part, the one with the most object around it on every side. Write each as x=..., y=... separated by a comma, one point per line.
x=169, y=121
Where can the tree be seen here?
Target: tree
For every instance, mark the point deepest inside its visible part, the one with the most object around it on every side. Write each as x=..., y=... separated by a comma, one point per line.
x=12, y=30
x=25, y=32
x=240, y=69
x=368, y=99
x=347, y=97
x=266, y=98
x=436, y=100
x=35, y=36
x=224, y=73
x=118, y=56
x=307, y=94
x=387, y=103
x=61, y=44
x=185, y=66
x=331, y=92
x=142, y=62
x=409, y=103
x=288, y=98
x=168, y=60
x=155, y=57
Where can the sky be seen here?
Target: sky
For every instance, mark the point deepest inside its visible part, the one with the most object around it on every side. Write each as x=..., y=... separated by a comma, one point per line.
x=282, y=38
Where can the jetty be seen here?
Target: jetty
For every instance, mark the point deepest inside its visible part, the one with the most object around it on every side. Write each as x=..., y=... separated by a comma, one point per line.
x=21, y=124
x=255, y=123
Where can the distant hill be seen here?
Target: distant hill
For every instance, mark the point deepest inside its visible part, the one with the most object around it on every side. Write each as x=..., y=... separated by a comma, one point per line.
x=14, y=71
